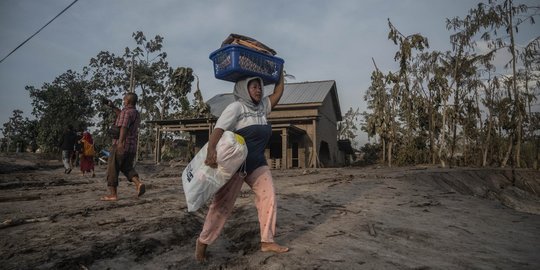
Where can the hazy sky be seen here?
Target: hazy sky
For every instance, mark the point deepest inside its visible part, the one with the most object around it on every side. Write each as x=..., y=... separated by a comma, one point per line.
x=319, y=40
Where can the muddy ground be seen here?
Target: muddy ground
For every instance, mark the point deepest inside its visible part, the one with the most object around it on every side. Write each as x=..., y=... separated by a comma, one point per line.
x=335, y=218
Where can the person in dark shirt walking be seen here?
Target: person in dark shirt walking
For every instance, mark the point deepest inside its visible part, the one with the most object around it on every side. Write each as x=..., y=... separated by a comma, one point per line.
x=67, y=144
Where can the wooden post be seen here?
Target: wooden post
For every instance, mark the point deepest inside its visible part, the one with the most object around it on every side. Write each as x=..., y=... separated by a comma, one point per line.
x=132, y=90
x=284, y=157
x=315, y=156
x=158, y=145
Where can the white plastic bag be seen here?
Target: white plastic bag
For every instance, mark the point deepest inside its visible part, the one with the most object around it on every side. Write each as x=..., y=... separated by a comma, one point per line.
x=200, y=181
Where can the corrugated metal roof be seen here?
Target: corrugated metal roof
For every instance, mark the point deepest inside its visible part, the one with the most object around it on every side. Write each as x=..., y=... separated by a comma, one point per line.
x=218, y=103
x=306, y=92
x=294, y=93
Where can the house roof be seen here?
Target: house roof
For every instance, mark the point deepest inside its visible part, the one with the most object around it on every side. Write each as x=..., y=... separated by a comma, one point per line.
x=294, y=93
x=306, y=92
x=219, y=102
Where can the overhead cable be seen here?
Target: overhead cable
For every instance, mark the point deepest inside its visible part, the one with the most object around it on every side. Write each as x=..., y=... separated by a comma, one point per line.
x=38, y=31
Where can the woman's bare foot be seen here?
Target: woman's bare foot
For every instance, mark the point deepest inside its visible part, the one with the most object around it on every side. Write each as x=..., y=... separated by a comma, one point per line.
x=273, y=247
x=109, y=198
x=200, y=251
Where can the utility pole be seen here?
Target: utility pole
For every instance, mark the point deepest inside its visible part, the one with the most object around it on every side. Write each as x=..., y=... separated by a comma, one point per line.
x=131, y=78
x=132, y=90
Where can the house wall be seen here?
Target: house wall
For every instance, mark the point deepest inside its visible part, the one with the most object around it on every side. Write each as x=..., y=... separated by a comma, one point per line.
x=327, y=132
x=305, y=142
x=292, y=112
x=305, y=152
x=324, y=132
x=300, y=141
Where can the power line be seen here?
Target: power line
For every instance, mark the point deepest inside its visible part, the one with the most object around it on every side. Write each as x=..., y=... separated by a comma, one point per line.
x=38, y=31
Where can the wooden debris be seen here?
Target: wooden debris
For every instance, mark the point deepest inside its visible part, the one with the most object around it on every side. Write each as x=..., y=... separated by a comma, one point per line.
x=371, y=228
x=20, y=198
x=111, y=221
x=338, y=233
x=425, y=204
x=21, y=221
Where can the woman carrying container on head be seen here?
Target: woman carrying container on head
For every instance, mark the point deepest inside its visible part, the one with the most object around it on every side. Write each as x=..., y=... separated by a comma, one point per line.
x=246, y=117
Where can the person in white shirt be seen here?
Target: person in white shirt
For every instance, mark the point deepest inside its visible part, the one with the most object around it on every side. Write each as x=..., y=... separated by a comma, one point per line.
x=246, y=117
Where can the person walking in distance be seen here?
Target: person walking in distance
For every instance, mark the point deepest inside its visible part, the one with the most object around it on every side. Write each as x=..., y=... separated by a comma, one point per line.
x=124, y=148
x=67, y=144
x=246, y=117
x=87, y=153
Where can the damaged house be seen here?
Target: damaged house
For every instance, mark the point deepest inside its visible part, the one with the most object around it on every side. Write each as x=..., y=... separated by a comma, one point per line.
x=304, y=127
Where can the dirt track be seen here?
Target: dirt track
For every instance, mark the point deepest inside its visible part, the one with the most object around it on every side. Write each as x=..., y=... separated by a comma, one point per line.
x=346, y=218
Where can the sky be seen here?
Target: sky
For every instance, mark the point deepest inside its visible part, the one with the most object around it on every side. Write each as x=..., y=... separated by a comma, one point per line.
x=319, y=40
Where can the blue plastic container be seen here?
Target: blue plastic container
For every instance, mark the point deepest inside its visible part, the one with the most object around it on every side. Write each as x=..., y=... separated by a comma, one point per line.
x=235, y=62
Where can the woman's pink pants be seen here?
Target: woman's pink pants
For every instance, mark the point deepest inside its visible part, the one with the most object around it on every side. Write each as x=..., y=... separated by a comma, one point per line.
x=222, y=205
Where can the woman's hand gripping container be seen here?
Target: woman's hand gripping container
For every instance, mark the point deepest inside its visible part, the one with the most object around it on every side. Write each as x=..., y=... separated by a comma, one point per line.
x=235, y=62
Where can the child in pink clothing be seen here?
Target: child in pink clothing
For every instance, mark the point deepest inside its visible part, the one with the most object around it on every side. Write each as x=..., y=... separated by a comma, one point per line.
x=246, y=117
